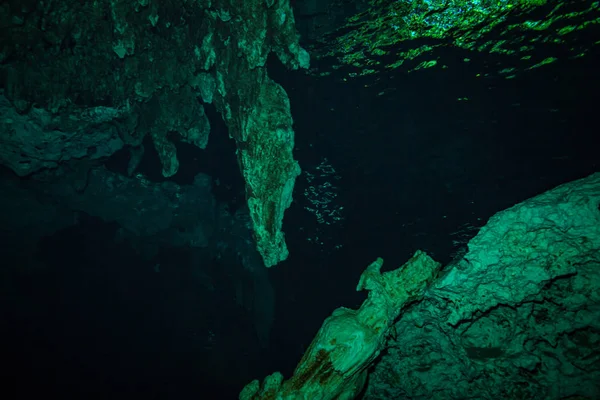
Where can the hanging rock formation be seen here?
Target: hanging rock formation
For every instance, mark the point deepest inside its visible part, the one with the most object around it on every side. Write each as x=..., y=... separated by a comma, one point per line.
x=257, y=110
x=82, y=80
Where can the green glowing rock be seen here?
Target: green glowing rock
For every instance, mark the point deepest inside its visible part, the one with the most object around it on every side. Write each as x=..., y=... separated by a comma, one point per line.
x=123, y=70
x=335, y=365
x=257, y=110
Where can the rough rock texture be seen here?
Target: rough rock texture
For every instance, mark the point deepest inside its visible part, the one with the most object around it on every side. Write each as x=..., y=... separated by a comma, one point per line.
x=257, y=110
x=335, y=364
x=165, y=212
x=517, y=318
x=67, y=59
x=149, y=214
x=39, y=139
x=80, y=80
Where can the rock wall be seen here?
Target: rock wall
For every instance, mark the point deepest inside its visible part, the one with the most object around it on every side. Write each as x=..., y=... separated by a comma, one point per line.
x=516, y=317
x=81, y=80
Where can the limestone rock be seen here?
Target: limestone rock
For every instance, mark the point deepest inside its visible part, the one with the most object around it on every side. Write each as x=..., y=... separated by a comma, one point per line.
x=517, y=317
x=335, y=364
x=149, y=65
x=40, y=140
x=257, y=110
